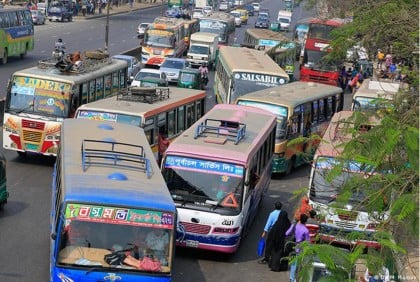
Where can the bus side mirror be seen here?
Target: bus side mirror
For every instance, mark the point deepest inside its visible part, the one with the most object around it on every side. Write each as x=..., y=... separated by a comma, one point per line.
x=53, y=236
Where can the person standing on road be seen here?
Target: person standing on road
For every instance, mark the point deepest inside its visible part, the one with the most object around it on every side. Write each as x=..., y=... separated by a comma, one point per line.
x=301, y=234
x=380, y=57
x=272, y=218
x=277, y=236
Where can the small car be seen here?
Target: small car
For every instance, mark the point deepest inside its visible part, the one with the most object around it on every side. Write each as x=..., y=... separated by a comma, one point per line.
x=256, y=6
x=243, y=15
x=173, y=12
x=238, y=2
x=172, y=66
x=141, y=29
x=237, y=16
x=223, y=6
x=250, y=9
x=197, y=13
x=262, y=22
x=207, y=10
x=132, y=62
x=38, y=17
x=148, y=72
x=264, y=12
x=42, y=7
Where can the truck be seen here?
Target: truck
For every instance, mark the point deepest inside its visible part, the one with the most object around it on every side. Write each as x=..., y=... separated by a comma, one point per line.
x=284, y=18
x=203, y=48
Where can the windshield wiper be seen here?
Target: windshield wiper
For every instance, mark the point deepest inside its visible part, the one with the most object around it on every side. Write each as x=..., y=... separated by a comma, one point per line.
x=25, y=109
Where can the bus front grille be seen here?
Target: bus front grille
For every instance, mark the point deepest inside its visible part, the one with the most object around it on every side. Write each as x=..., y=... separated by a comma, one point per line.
x=347, y=215
x=33, y=124
x=32, y=136
x=318, y=78
x=347, y=225
x=196, y=228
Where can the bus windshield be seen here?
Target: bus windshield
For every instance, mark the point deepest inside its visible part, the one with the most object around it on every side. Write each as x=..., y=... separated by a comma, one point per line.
x=31, y=95
x=159, y=38
x=120, y=118
x=202, y=182
x=280, y=112
x=321, y=31
x=245, y=83
x=325, y=192
x=315, y=60
x=366, y=104
x=100, y=230
x=214, y=26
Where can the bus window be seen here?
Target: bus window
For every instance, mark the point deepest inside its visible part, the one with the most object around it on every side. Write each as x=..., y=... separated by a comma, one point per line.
x=181, y=119
x=171, y=123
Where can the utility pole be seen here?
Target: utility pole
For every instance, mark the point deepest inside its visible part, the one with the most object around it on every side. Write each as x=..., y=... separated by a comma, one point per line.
x=107, y=26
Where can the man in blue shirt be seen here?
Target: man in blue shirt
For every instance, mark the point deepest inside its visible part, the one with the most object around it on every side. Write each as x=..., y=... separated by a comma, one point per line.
x=301, y=234
x=272, y=218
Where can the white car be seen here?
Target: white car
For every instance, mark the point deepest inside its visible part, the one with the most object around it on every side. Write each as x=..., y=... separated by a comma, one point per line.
x=197, y=13
x=148, y=72
x=256, y=7
x=141, y=29
x=38, y=17
x=237, y=15
x=207, y=10
x=223, y=6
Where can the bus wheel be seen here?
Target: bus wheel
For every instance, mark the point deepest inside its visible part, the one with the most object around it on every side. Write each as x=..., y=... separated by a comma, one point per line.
x=24, y=53
x=290, y=165
x=4, y=57
x=21, y=154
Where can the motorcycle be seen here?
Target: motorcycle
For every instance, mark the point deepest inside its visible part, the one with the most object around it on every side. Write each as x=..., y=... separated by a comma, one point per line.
x=58, y=54
x=204, y=80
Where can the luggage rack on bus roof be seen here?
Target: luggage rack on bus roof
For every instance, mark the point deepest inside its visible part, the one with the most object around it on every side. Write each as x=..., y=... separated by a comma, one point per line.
x=231, y=130
x=110, y=153
x=144, y=94
x=91, y=60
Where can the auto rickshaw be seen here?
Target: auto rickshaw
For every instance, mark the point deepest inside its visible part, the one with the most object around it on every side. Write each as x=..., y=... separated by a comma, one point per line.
x=149, y=81
x=275, y=26
x=3, y=188
x=190, y=78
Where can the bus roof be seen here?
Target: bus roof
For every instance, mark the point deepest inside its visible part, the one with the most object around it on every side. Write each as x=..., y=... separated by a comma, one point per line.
x=68, y=77
x=166, y=22
x=107, y=180
x=177, y=97
x=331, y=22
x=220, y=16
x=258, y=125
x=338, y=133
x=260, y=33
x=292, y=94
x=241, y=59
x=377, y=89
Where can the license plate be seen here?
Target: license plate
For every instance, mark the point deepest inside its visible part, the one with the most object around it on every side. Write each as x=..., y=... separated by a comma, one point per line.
x=32, y=147
x=191, y=243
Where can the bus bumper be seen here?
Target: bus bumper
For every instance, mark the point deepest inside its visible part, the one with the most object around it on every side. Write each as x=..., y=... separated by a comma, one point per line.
x=211, y=243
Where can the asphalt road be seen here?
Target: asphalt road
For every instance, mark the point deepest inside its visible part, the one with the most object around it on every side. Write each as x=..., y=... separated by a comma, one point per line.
x=24, y=221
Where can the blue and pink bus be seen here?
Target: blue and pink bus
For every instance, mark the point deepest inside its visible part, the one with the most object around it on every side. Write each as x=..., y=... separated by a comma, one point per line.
x=109, y=199
x=217, y=172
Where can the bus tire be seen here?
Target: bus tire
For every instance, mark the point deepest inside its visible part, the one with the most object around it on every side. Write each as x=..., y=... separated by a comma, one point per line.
x=21, y=154
x=24, y=53
x=70, y=18
x=4, y=57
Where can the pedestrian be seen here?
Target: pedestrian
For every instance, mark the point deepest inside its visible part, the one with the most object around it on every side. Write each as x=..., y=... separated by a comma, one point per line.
x=343, y=78
x=388, y=62
x=380, y=57
x=277, y=236
x=301, y=234
x=271, y=220
x=130, y=3
x=304, y=208
x=392, y=71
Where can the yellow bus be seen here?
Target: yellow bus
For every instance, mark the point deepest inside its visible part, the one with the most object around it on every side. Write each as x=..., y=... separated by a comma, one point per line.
x=164, y=38
x=174, y=110
x=302, y=109
x=40, y=97
x=190, y=26
x=240, y=71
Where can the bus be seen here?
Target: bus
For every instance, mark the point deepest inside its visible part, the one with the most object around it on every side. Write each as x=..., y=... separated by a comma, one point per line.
x=217, y=172
x=317, y=44
x=39, y=98
x=109, y=199
x=373, y=95
x=220, y=23
x=276, y=45
x=302, y=109
x=337, y=219
x=240, y=71
x=190, y=26
x=164, y=38
x=174, y=111
x=16, y=33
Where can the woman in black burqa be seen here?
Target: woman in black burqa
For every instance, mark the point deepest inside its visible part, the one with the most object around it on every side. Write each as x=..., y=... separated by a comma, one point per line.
x=276, y=239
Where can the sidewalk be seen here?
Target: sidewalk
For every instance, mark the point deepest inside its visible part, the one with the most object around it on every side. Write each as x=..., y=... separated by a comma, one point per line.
x=121, y=9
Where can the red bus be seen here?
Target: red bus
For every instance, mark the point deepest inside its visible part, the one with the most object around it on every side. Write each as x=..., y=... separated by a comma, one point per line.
x=317, y=45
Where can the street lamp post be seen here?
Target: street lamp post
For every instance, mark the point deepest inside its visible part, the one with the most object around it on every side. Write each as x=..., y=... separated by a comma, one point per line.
x=107, y=27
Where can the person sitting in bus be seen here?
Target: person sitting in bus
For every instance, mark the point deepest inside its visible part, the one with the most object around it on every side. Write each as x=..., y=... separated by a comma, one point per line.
x=147, y=263
x=77, y=233
x=157, y=240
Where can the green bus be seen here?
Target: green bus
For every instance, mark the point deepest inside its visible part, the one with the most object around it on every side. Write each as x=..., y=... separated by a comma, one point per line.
x=16, y=33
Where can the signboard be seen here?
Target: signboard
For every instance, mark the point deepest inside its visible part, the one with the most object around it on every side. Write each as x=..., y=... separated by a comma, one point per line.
x=260, y=78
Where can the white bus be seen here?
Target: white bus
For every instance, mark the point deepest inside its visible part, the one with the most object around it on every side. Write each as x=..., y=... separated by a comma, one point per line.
x=40, y=97
x=242, y=70
x=217, y=172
